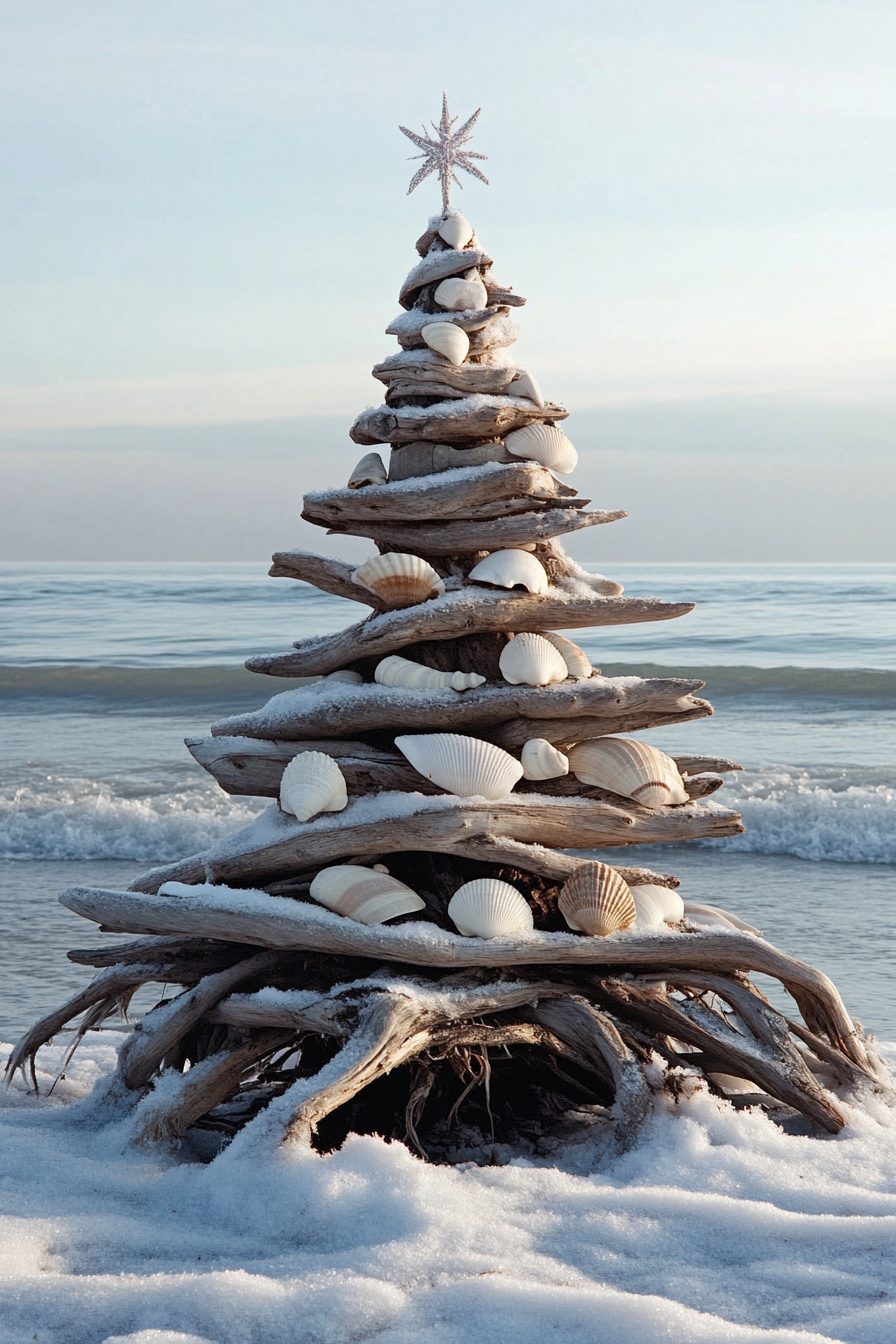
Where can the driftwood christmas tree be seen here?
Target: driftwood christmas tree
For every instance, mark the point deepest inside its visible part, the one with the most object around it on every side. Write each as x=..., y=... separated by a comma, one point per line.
x=404, y=937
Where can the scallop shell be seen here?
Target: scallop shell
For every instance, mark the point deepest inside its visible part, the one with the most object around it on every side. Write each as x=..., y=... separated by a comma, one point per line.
x=524, y=385
x=400, y=580
x=371, y=470
x=312, y=783
x=545, y=444
x=597, y=901
x=464, y=766
x=448, y=340
x=529, y=660
x=541, y=760
x=656, y=905
x=365, y=895
x=711, y=916
x=462, y=295
x=347, y=675
x=398, y=671
x=576, y=661
x=456, y=231
x=632, y=769
x=487, y=908
x=511, y=569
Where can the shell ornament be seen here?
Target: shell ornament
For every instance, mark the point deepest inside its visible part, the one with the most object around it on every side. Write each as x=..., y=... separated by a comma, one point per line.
x=511, y=569
x=545, y=444
x=312, y=783
x=632, y=769
x=487, y=908
x=465, y=766
x=398, y=671
x=596, y=901
x=530, y=660
x=447, y=339
x=364, y=894
x=541, y=760
x=399, y=580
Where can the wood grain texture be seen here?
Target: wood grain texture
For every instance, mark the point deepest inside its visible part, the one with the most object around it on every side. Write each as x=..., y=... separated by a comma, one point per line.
x=325, y=573
x=563, y=733
x=472, y=534
x=423, y=458
x=456, y=421
x=437, y=266
x=464, y=379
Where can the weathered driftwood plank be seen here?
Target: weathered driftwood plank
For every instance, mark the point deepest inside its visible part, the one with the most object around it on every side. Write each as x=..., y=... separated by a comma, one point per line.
x=469, y=611
x=463, y=535
x=502, y=293
x=563, y=732
x=451, y=421
x=463, y=380
x=698, y=765
x=423, y=458
x=331, y=576
x=438, y=266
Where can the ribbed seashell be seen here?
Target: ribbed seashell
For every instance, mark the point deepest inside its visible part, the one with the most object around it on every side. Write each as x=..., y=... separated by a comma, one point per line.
x=632, y=769
x=711, y=916
x=362, y=894
x=347, y=675
x=656, y=905
x=524, y=385
x=487, y=908
x=545, y=444
x=511, y=569
x=447, y=339
x=371, y=470
x=577, y=663
x=541, y=760
x=464, y=766
x=461, y=295
x=312, y=783
x=456, y=231
x=400, y=580
x=595, y=900
x=529, y=660
x=398, y=671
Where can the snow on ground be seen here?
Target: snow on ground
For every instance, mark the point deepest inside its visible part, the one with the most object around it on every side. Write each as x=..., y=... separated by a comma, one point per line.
x=717, y=1227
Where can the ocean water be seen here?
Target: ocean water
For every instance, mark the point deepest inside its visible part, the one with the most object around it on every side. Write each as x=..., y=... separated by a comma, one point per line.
x=104, y=669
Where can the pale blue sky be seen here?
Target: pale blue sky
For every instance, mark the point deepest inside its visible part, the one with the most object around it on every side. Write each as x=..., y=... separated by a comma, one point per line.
x=205, y=222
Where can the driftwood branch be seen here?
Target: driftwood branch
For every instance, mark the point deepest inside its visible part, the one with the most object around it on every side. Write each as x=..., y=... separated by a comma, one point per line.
x=451, y=421
x=564, y=732
x=330, y=576
x=425, y=458
x=465, y=535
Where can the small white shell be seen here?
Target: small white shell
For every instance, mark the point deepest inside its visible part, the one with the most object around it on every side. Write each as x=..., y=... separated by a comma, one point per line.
x=487, y=908
x=347, y=675
x=524, y=385
x=312, y=783
x=398, y=671
x=400, y=580
x=711, y=916
x=465, y=766
x=632, y=769
x=371, y=470
x=368, y=896
x=541, y=760
x=447, y=339
x=576, y=661
x=456, y=231
x=511, y=569
x=529, y=660
x=461, y=295
x=656, y=905
x=545, y=444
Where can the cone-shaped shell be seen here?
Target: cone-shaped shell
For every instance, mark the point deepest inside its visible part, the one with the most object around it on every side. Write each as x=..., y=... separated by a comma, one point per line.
x=511, y=569
x=464, y=766
x=362, y=894
x=632, y=769
x=459, y=294
x=398, y=671
x=371, y=470
x=529, y=660
x=541, y=760
x=597, y=901
x=545, y=444
x=524, y=385
x=456, y=231
x=487, y=908
x=448, y=340
x=312, y=783
x=656, y=905
x=577, y=662
x=399, y=580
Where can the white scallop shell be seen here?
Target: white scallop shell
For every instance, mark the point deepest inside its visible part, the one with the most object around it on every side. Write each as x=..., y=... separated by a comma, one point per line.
x=541, y=760
x=511, y=569
x=400, y=580
x=371, y=470
x=656, y=905
x=711, y=916
x=398, y=671
x=347, y=675
x=464, y=766
x=311, y=783
x=456, y=231
x=364, y=895
x=596, y=900
x=529, y=660
x=487, y=908
x=461, y=295
x=545, y=444
x=448, y=340
x=632, y=769
x=524, y=385
x=576, y=661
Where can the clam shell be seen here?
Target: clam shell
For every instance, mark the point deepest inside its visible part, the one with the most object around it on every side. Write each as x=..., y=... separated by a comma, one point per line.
x=371, y=470
x=398, y=671
x=456, y=231
x=448, y=340
x=711, y=916
x=464, y=766
x=347, y=675
x=595, y=900
x=362, y=894
x=400, y=580
x=656, y=905
x=524, y=385
x=576, y=661
x=511, y=569
x=632, y=769
x=541, y=760
x=545, y=444
x=529, y=660
x=312, y=783
x=487, y=908
x=461, y=295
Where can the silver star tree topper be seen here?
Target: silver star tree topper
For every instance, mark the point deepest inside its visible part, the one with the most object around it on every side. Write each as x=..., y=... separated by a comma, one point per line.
x=443, y=155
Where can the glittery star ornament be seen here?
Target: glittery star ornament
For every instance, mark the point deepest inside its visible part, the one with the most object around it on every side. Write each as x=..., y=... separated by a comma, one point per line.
x=445, y=154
